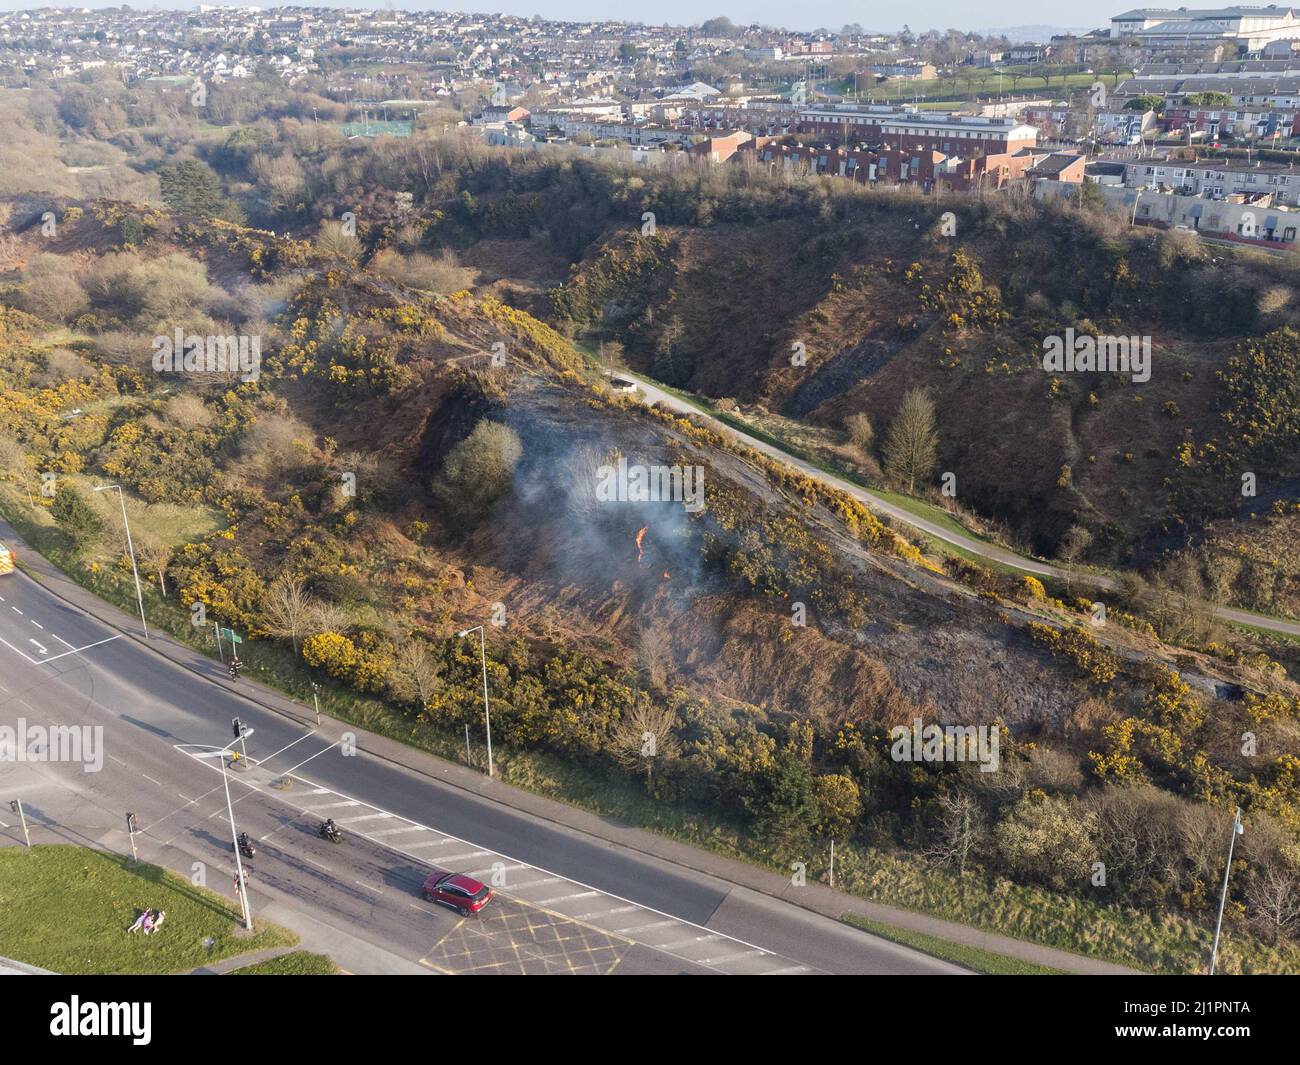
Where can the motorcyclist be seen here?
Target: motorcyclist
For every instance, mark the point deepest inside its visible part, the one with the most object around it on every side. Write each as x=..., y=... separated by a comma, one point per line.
x=245, y=844
x=236, y=664
x=329, y=828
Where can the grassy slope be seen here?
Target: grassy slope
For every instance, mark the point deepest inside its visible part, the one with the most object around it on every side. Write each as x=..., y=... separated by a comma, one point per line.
x=981, y=961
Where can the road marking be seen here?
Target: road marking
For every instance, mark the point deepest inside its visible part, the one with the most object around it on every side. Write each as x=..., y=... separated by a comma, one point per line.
x=332, y=805
x=39, y=646
x=88, y=646
x=366, y=817
x=731, y=957
x=534, y=883
x=644, y=927
x=603, y=913
x=15, y=610
x=39, y=625
x=151, y=780
x=792, y=969
x=459, y=857
x=395, y=831
x=549, y=878
x=565, y=898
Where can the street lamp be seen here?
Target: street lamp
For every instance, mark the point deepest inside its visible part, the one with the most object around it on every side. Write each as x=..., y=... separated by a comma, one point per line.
x=1237, y=830
x=487, y=716
x=242, y=883
x=130, y=549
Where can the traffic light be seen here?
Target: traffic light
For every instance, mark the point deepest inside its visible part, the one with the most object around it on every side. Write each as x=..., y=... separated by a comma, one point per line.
x=238, y=727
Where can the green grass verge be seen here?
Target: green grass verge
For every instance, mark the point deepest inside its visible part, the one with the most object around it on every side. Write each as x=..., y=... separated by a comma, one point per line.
x=974, y=958
x=295, y=963
x=67, y=909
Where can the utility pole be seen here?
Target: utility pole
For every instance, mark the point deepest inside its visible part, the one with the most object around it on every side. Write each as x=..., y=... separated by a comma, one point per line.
x=132, y=826
x=1237, y=830
x=17, y=807
x=315, y=701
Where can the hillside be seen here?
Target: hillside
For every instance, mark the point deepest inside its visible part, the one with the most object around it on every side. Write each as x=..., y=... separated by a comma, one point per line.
x=405, y=463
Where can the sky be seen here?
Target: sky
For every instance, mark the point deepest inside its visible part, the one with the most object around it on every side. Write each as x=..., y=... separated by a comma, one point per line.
x=805, y=15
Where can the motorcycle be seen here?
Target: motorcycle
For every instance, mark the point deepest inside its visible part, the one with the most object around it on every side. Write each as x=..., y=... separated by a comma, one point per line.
x=246, y=847
x=331, y=833
x=234, y=669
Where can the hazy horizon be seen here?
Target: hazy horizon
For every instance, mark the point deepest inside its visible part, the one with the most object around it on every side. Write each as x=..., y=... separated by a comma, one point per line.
x=815, y=14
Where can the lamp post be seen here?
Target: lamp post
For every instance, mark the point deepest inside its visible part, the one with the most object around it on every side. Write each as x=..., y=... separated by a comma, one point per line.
x=241, y=884
x=1237, y=830
x=130, y=550
x=487, y=715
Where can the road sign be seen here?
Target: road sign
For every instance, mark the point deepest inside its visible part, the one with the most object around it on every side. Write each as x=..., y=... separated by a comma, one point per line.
x=231, y=635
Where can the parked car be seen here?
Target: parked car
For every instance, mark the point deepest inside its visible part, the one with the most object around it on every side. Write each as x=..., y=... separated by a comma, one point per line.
x=461, y=893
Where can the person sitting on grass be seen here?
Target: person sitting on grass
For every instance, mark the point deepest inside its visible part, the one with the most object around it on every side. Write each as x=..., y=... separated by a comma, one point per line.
x=157, y=922
x=143, y=921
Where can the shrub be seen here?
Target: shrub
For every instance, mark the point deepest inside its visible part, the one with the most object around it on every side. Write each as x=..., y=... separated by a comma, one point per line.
x=76, y=517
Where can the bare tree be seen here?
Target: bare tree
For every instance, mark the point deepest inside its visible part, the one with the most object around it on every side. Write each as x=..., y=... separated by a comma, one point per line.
x=289, y=609
x=653, y=655
x=644, y=735
x=1274, y=894
x=959, y=830
x=157, y=555
x=416, y=676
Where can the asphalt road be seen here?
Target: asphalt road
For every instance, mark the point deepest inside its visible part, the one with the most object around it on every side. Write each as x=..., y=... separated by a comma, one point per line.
x=651, y=394
x=566, y=901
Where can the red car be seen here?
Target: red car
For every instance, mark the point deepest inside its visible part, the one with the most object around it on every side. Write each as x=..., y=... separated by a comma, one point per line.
x=462, y=893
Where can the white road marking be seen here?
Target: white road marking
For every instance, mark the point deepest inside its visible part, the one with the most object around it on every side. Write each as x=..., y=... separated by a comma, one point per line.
x=603, y=913
x=39, y=625
x=642, y=927
x=534, y=883
x=565, y=898
x=39, y=646
x=366, y=817
x=151, y=780
x=332, y=805
x=405, y=849
x=395, y=831
x=460, y=857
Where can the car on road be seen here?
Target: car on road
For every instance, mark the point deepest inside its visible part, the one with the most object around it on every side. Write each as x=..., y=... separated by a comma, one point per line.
x=462, y=893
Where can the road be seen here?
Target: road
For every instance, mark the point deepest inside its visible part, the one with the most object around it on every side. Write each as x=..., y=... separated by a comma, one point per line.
x=566, y=901
x=651, y=394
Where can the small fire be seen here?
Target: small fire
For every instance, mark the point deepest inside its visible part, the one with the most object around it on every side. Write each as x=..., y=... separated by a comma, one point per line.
x=639, y=538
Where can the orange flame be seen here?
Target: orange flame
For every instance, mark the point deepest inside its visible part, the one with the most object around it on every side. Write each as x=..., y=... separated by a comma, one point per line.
x=640, y=537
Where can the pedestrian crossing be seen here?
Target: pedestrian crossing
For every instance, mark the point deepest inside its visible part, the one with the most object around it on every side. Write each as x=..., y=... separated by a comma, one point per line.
x=557, y=895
